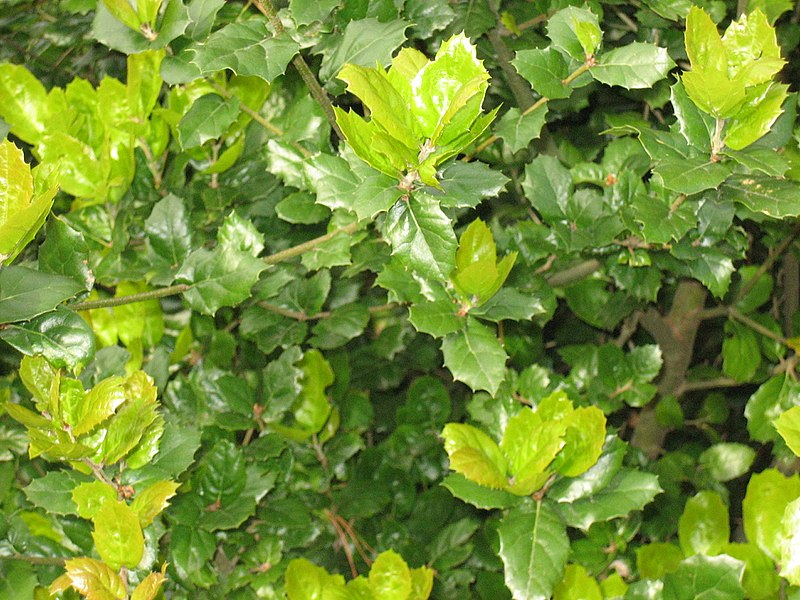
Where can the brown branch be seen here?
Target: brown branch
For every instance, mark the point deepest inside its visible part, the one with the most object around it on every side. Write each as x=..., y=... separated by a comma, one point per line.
x=573, y=274
x=767, y=264
x=675, y=334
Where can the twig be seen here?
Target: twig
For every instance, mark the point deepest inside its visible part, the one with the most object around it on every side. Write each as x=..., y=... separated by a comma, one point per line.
x=588, y=64
x=573, y=274
x=262, y=121
x=708, y=384
x=180, y=288
x=767, y=264
x=756, y=326
x=305, y=246
x=98, y=472
x=172, y=290
x=268, y=10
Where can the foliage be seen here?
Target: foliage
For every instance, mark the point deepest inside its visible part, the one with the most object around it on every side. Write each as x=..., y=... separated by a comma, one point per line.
x=463, y=299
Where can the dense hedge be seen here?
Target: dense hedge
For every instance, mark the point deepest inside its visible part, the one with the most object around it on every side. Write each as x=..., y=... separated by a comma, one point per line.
x=398, y=299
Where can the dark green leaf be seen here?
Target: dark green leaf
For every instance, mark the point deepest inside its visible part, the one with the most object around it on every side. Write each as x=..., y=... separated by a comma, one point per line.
x=466, y=184
x=25, y=293
x=534, y=549
x=545, y=69
x=519, y=129
x=340, y=327
x=64, y=252
x=629, y=490
x=775, y=198
x=422, y=237
x=364, y=42
x=475, y=356
x=53, y=492
x=208, y=118
x=219, y=277
x=61, y=336
x=168, y=230
x=690, y=176
x=635, y=66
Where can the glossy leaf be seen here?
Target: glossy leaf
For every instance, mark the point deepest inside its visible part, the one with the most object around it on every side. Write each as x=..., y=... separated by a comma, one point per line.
x=208, y=118
x=117, y=535
x=727, y=460
x=247, y=48
x=478, y=495
x=219, y=277
x=153, y=499
x=545, y=69
x=25, y=293
x=475, y=455
x=422, y=237
x=712, y=577
x=519, y=129
x=61, y=336
x=768, y=494
x=475, y=357
x=91, y=578
x=575, y=31
x=703, y=527
x=629, y=490
x=635, y=66
x=89, y=497
x=22, y=212
x=534, y=548
x=577, y=584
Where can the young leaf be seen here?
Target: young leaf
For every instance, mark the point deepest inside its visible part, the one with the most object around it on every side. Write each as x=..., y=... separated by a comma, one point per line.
x=703, y=527
x=478, y=495
x=475, y=455
x=575, y=31
x=577, y=584
x=150, y=501
x=768, y=494
x=22, y=212
x=727, y=460
x=534, y=549
x=790, y=536
x=307, y=581
x=753, y=120
x=148, y=588
x=117, y=535
x=89, y=497
x=91, y=578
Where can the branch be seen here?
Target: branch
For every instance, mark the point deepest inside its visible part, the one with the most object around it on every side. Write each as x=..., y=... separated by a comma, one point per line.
x=268, y=10
x=262, y=121
x=180, y=288
x=305, y=246
x=767, y=264
x=172, y=290
x=573, y=274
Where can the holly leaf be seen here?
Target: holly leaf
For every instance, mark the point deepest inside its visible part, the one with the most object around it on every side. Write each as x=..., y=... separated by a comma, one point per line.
x=475, y=356
x=117, y=535
x=635, y=66
x=519, y=129
x=61, y=336
x=545, y=69
x=208, y=118
x=219, y=277
x=533, y=547
x=25, y=293
x=422, y=237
